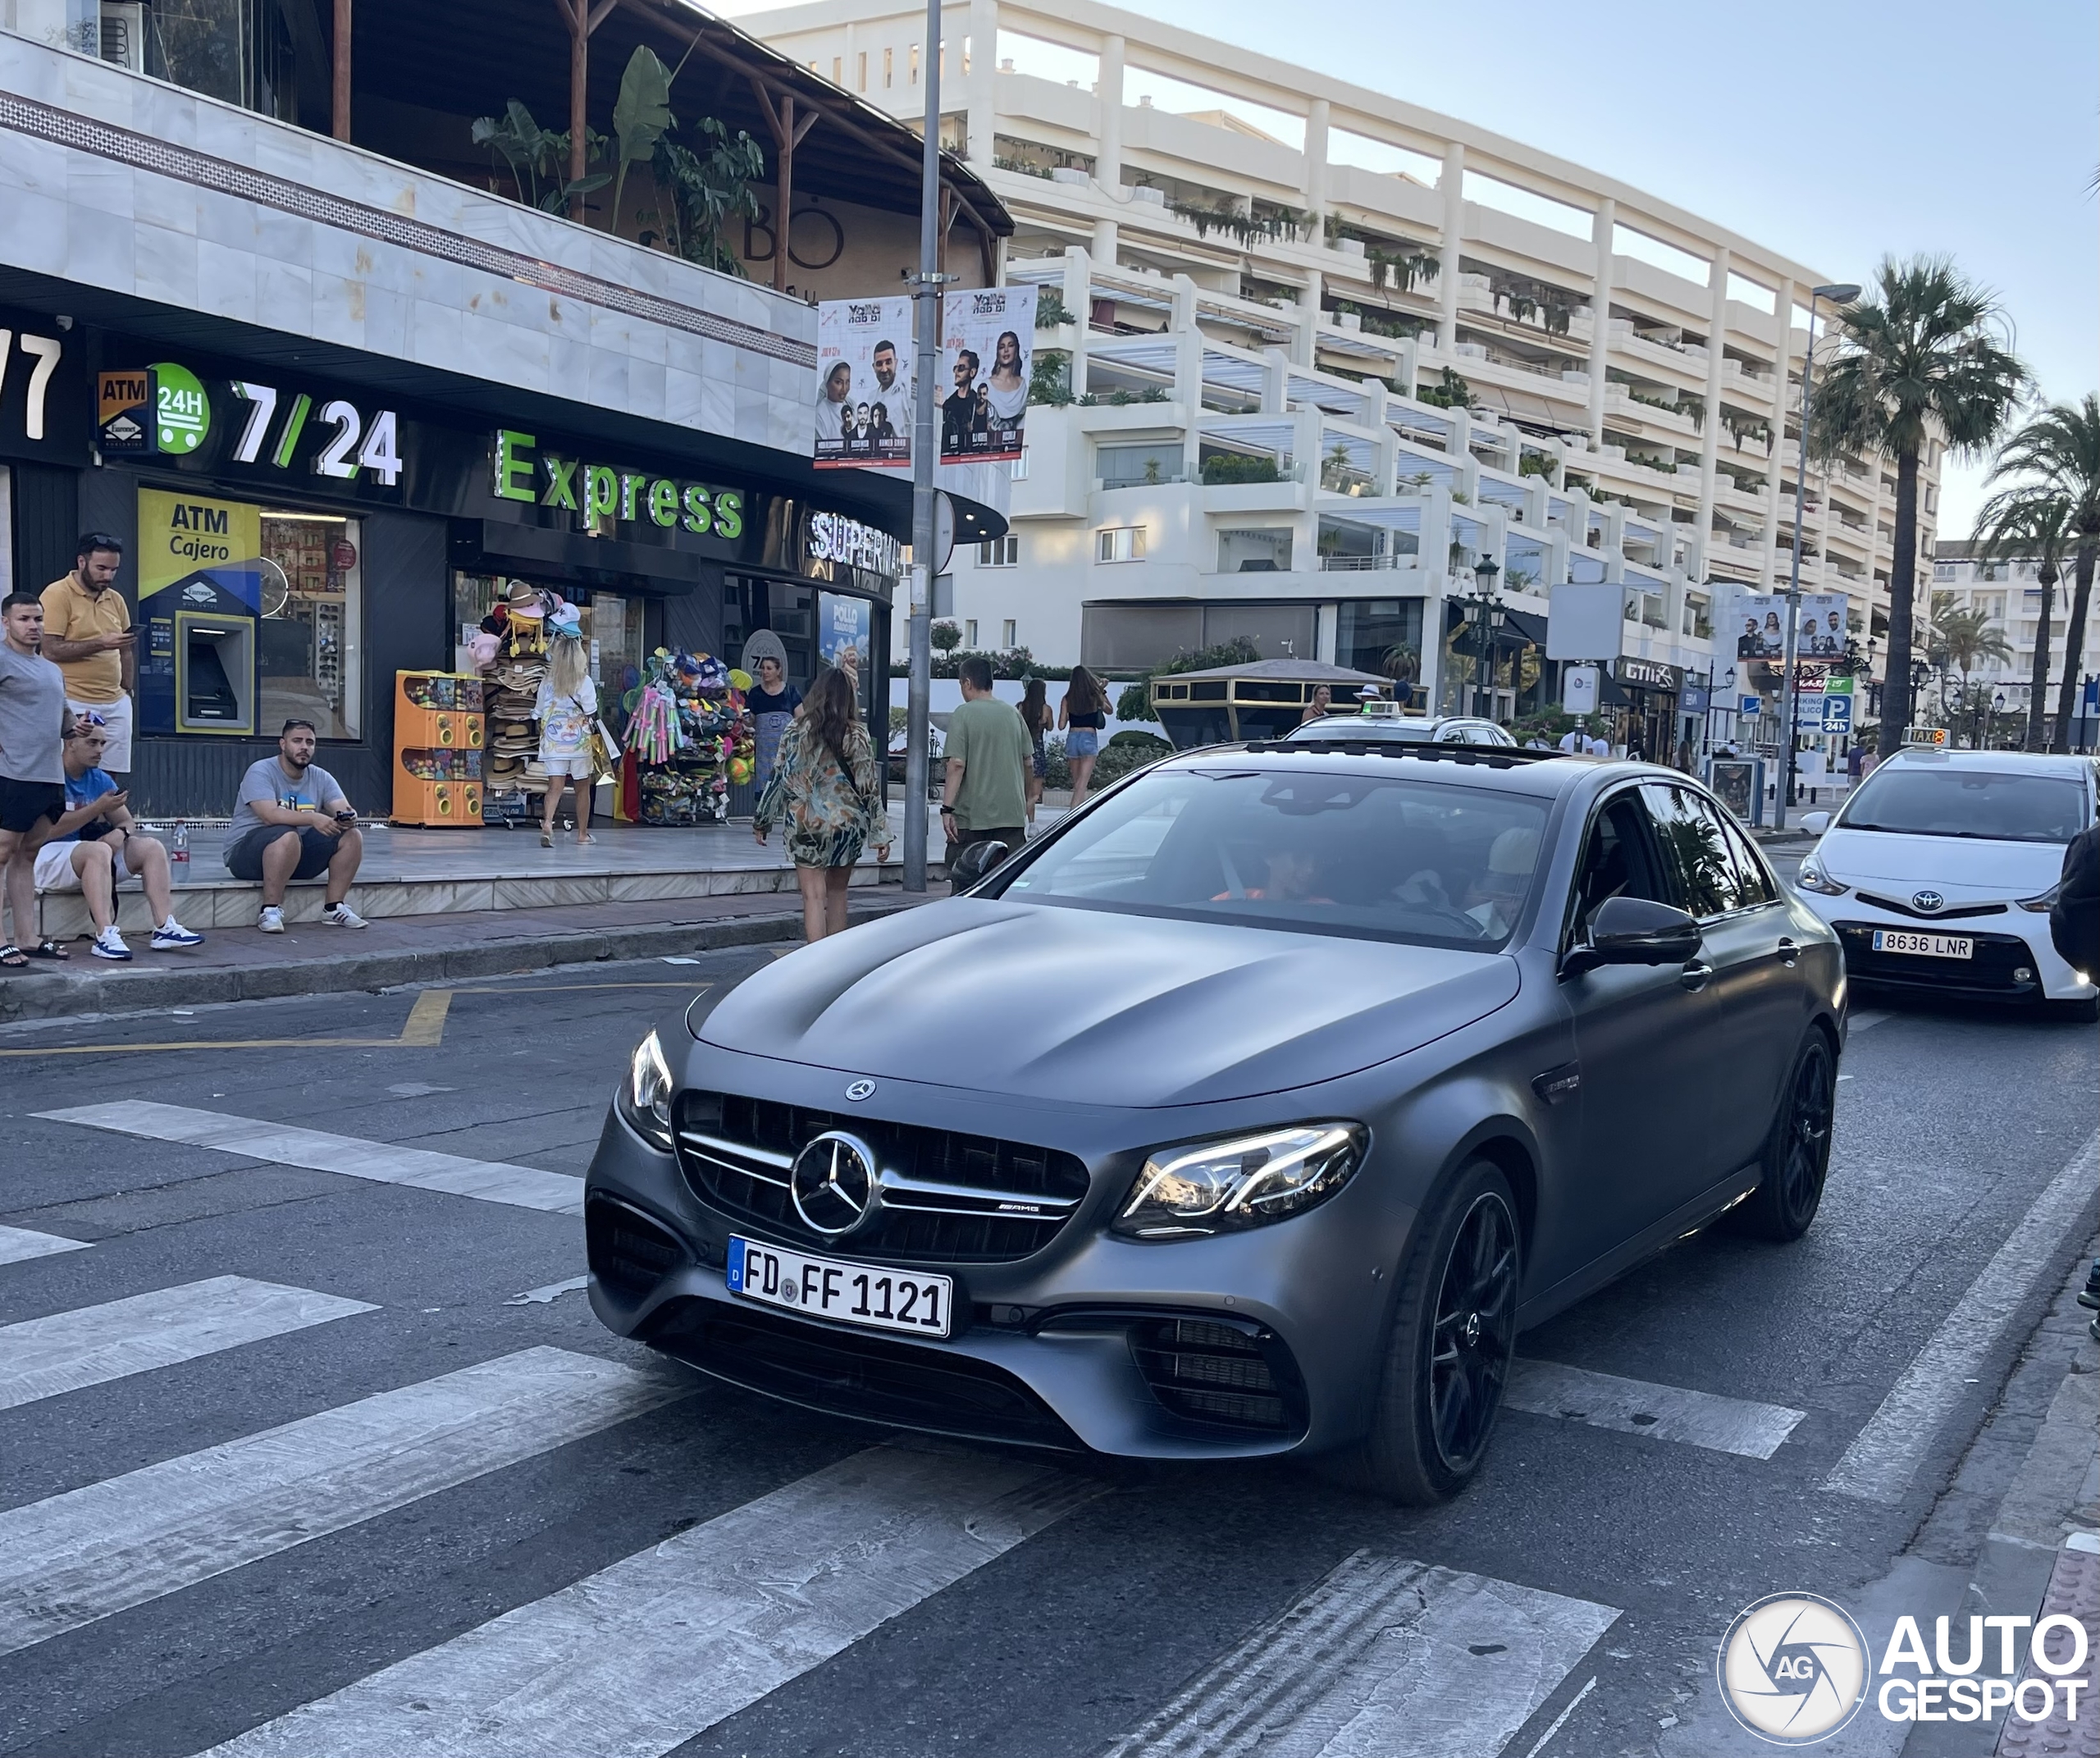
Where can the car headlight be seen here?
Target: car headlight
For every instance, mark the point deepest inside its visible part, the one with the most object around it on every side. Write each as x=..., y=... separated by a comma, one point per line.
x=1199, y=1188
x=2046, y=902
x=1812, y=878
x=644, y=1095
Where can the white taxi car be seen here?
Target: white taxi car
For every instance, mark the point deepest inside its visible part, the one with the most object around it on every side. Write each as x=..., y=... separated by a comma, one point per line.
x=1938, y=874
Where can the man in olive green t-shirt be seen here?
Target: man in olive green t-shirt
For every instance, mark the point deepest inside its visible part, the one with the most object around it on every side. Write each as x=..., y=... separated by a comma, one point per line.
x=988, y=752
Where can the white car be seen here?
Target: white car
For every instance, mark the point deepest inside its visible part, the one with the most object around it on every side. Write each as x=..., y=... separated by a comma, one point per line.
x=1938, y=874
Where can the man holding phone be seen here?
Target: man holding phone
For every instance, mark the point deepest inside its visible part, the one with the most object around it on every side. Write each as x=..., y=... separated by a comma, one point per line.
x=88, y=634
x=291, y=822
x=96, y=845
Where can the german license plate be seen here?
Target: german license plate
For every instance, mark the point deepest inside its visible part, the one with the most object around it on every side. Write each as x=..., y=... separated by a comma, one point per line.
x=852, y=1293
x=1923, y=945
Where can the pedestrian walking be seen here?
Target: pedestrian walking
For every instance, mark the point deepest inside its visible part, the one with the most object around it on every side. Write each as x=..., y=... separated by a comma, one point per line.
x=827, y=789
x=983, y=798
x=2074, y=917
x=1035, y=716
x=772, y=700
x=1320, y=707
x=1595, y=746
x=1082, y=716
x=566, y=710
x=32, y=725
x=1575, y=741
x=88, y=634
x=291, y=821
x=97, y=844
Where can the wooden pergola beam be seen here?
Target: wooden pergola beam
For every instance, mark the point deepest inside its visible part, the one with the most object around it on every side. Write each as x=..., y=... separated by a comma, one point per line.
x=581, y=18
x=788, y=134
x=339, y=73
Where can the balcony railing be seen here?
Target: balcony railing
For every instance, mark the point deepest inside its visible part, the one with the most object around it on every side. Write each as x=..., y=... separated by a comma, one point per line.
x=1361, y=564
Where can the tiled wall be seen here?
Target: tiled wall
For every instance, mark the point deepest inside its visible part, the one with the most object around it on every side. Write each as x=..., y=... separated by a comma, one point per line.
x=93, y=213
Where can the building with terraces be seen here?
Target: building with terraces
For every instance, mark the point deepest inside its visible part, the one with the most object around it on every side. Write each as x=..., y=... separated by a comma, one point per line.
x=1327, y=351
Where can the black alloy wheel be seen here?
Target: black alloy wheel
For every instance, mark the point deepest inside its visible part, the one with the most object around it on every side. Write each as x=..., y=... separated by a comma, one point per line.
x=1475, y=1333
x=1797, y=1158
x=1453, y=1335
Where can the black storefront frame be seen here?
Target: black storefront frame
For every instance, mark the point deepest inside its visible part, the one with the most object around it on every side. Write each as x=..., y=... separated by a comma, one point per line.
x=412, y=551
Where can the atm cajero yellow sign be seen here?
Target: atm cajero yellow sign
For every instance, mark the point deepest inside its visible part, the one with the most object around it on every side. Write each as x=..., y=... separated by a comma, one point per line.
x=179, y=534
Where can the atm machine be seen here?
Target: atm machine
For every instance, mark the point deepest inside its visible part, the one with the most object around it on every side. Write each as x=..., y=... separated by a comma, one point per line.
x=199, y=672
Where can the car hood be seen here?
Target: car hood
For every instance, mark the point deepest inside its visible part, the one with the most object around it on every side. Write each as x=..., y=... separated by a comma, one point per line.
x=1953, y=865
x=1043, y=1003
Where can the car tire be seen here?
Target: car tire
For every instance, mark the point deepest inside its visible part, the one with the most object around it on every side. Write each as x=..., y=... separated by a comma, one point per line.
x=1796, y=1157
x=1447, y=1353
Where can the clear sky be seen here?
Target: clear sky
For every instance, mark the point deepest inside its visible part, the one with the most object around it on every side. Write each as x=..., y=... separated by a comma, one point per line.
x=1835, y=131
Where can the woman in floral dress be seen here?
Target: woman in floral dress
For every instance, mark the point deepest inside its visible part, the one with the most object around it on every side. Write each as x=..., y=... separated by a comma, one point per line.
x=828, y=791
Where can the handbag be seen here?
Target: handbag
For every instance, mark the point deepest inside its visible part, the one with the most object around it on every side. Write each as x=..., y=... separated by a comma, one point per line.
x=604, y=750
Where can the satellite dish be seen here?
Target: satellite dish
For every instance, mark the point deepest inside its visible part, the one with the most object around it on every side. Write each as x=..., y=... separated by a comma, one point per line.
x=277, y=587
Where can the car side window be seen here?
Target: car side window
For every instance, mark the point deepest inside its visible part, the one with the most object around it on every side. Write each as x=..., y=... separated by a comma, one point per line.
x=1753, y=882
x=1696, y=848
x=1617, y=861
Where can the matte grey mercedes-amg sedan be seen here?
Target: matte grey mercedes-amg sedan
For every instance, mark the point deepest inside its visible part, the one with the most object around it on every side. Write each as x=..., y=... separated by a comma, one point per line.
x=1253, y=1110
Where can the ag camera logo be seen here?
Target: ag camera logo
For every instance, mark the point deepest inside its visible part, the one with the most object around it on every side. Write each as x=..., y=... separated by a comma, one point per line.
x=1793, y=1669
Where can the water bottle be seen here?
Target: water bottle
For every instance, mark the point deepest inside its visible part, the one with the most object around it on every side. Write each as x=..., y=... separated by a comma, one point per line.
x=178, y=854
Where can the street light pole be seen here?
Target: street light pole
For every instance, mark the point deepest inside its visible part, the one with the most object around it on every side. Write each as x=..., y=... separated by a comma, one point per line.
x=926, y=312
x=1840, y=295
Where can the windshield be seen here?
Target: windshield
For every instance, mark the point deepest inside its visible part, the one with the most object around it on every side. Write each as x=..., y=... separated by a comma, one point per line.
x=1985, y=804
x=1382, y=858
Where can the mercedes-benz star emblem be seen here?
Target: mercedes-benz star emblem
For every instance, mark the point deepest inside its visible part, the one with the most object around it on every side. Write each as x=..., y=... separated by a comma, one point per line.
x=857, y=1090
x=832, y=1183
x=1927, y=900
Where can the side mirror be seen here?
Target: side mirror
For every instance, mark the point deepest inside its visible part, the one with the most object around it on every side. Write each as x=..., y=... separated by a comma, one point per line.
x=1816, y=823
x=1635, y=931
x=974, y=862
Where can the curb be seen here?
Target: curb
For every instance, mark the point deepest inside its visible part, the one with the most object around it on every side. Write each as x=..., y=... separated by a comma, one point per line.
x=56, y=996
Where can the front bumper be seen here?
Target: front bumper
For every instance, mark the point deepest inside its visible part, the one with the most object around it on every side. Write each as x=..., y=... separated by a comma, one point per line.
x=1242, y=1345
x=2007, y=944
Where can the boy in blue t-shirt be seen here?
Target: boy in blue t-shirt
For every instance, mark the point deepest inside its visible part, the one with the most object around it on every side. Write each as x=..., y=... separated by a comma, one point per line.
x=96, y=845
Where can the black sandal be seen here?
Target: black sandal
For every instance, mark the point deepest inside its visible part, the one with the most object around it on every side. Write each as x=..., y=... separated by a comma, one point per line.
x=13, y=958
x=48, y=948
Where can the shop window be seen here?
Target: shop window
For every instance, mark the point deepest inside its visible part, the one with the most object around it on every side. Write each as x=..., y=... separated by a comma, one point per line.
x=1382, y=636
x=1000, y=552
x=309, y=643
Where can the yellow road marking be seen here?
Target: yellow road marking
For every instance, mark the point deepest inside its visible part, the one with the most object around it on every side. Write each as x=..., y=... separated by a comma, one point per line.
x=424, y=1031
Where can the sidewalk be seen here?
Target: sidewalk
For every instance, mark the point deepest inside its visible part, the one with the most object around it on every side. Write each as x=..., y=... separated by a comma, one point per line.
x=241, y=963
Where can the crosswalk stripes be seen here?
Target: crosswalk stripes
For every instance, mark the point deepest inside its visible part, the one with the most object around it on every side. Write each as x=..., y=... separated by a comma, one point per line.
x=1639, y=1407
x=19, y=1245
x=382, y=1163
x=637, y=1659
x=40, y=1357
x=1383, y=1657
x=91, y=1552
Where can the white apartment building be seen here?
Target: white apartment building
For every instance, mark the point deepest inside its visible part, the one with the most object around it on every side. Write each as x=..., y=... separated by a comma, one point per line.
x=1263, y=270
x=2010, y=594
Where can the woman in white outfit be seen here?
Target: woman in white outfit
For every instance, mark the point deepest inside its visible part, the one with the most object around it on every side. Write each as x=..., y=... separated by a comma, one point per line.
x=567, y=710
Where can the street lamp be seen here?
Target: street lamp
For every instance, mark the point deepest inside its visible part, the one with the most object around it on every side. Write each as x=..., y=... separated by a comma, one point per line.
x=1842, y=294
x=1483, y=609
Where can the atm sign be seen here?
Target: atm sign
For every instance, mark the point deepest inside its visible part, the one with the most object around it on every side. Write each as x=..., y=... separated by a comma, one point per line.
x=126, y=406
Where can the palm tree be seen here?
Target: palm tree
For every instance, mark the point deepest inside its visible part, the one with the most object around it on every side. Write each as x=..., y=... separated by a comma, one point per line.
x=1915, y=354
x=2030, y=522
x=2061, y=447
x=1966, y=635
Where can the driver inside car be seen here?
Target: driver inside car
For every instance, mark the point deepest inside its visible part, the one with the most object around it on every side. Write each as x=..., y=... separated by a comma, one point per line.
x=1495, y=895
x=1293, y=872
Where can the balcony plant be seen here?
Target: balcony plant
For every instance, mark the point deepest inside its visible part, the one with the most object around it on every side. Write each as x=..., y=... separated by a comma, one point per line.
x=1222, y=469
x=1449, y=392
x=1051, y=309
x=1050, y=378
x=534, y=157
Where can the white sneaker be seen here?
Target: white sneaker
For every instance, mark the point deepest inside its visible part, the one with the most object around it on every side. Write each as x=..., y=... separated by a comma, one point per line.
x=109, y=944
x=342, y=916
x=171, y=936
x=271, y=920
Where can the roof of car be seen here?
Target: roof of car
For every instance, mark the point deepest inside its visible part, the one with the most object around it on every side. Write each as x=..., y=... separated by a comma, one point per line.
x=1512, y=767
x=2044, y=763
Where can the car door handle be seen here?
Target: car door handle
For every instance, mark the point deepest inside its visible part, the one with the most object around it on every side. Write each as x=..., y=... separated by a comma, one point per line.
x=1696, y=975
x=1790, y=955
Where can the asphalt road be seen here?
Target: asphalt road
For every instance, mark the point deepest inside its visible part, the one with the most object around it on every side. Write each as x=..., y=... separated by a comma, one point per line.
x=1575, y=1593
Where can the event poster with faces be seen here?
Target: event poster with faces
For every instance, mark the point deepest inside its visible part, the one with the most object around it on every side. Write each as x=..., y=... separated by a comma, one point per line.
x=865, y=397
x=865, y=356
x=1757, y=620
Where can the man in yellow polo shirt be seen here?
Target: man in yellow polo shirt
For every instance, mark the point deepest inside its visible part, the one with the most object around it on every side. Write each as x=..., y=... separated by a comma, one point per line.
x=87, y=632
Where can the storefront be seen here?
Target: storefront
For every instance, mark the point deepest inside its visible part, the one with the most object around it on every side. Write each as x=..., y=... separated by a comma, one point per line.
x=1641, y=696
x=291, y=544
x=43, y=446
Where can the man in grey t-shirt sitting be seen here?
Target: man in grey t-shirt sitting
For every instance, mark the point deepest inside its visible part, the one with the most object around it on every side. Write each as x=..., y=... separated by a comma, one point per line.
x=292, y=822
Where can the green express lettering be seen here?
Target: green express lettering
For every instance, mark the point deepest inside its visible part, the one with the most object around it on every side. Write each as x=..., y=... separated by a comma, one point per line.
x=663, y=503
x=561, y=482
x=630, y=481
x=728, y=513
x=700, y=517
x=514, y=464
x=601, y=492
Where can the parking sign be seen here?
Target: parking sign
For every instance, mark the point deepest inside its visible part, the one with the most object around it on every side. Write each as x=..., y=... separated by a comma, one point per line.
x=1838, y=714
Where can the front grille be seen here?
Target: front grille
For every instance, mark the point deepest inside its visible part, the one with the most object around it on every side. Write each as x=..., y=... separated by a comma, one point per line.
x=946, y=1196
x=1966, y=912
x=849, y=1374
x=628, y=1253
x=1219, y=1374
x=1989, y=971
